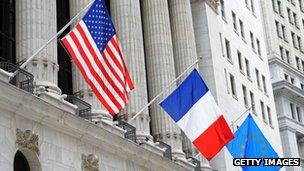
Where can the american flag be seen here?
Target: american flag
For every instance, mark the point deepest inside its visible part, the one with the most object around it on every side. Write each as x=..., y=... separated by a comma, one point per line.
x=94, y=48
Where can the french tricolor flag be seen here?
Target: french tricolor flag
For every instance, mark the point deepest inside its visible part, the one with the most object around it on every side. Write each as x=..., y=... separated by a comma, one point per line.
x=194, y=109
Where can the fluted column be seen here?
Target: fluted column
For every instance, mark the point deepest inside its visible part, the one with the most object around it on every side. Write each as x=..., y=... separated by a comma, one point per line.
x=160, y=69
x=80, y=87
x=36, y=23
x=182, y=34
x=184, y=46
x=126, y=16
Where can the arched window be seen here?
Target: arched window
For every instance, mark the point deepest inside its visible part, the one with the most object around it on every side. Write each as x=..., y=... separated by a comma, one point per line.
x=20, y=162
x=7, y=31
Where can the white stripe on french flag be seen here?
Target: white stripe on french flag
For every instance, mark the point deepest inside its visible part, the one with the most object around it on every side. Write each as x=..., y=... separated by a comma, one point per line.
x=195, y=111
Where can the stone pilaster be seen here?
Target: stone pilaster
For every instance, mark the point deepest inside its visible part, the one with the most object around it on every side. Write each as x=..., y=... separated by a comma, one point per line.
x=36, y=23
x=80, y=87
x=126, y=17
x=160, y=69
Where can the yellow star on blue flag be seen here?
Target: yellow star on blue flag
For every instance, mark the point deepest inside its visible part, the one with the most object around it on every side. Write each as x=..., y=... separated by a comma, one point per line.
x=249, y=142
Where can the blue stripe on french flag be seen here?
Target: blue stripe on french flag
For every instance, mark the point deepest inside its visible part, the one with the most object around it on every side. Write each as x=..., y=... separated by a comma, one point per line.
x=195, y=111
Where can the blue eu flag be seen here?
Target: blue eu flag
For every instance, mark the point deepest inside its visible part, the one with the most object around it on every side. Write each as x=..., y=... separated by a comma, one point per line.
x=249, y=142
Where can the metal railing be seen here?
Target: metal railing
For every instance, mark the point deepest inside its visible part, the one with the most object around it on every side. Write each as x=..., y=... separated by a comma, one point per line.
x=24, y=80
x=196, y=162
x=130, y=130
x=168, y=151
x=84, y=108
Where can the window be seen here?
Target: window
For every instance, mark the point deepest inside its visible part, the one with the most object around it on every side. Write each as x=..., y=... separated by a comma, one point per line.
x=298, y=63
x=252, y=41
x=289, y=16
x=247, y=68
x=280, y=8
x=242, y=29
x=274, y=6
x=258, y=47
x=228, y=50
x=301, y=4
x=302, y=66
x=295, y=20
x=263, y=111
x=286, y=77
x=252, y=102
x=284, y=32
x=7, y=31
x=252, y=7
x=234, y=21
x=287, y=56
x=232, y=84
x=300, y=43
x=291, y=80
x=257, y=74
x=302, y=86
x=240, y=61
x=277, y=28
x=269, y=116
x=222, y=4
x=299, y=114
x=282, y=53
x=264, y=84
x=245, y=96
x=294, y=41
x=292, y=111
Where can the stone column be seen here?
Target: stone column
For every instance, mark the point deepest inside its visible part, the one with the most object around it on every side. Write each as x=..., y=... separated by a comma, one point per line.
x=126, y=17
x=36, y=23
x=160, y=69
x=80, y=87
x=182, y=34
x=184, y=47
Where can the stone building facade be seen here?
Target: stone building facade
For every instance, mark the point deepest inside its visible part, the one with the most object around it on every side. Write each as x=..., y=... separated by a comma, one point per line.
x=284, y=27
x=159, y=39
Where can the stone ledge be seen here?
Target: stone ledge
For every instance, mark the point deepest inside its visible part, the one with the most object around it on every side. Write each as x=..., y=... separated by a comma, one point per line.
x=58, y=102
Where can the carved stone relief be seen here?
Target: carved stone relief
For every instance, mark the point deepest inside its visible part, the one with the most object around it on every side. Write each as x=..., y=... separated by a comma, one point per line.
x=28, y=140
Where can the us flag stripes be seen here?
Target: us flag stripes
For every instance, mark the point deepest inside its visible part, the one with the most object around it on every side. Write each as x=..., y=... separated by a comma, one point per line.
x=94, y=48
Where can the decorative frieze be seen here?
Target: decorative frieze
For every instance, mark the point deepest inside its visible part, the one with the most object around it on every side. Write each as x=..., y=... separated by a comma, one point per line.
x=27, y=140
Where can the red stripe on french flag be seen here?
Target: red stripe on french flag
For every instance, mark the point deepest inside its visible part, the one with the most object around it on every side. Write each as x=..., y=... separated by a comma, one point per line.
x=209, y=144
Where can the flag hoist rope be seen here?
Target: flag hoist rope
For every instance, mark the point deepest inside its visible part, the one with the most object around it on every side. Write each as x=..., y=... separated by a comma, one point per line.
x=51, y=39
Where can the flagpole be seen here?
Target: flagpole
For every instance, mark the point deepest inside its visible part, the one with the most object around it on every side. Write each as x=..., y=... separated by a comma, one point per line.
x=50, y=40
x=164, y=90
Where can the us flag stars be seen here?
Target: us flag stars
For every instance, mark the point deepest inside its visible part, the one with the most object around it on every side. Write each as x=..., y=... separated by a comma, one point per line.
x=99, y=25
